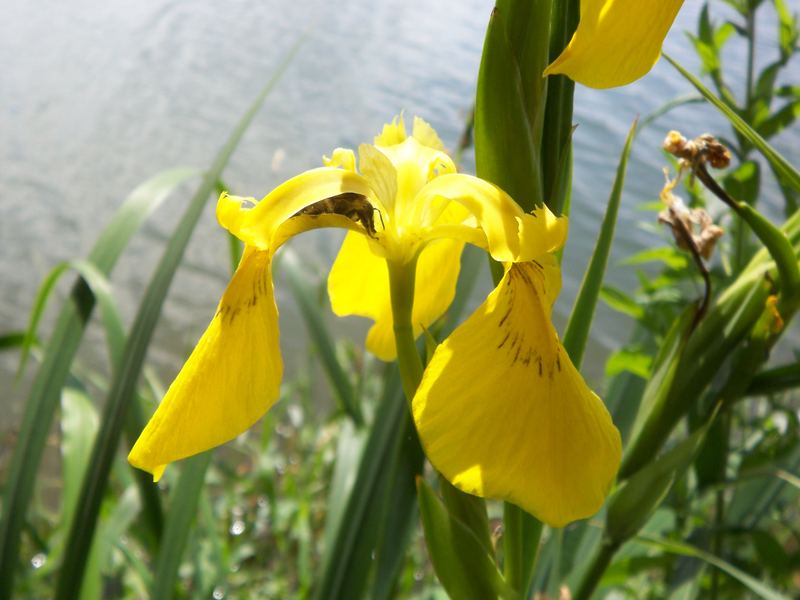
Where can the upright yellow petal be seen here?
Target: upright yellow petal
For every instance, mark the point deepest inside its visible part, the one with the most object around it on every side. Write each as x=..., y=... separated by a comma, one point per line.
x=230, y=380
x=392, y=133
x=426, y=135
x=617, y=41
x=358, y=284
x=503, y=413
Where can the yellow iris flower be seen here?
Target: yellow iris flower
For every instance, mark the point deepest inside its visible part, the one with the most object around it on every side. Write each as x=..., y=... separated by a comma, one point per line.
x=501, y=411
x=617, y=41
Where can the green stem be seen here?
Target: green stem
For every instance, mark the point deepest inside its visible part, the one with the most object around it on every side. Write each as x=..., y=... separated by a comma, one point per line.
x=716, y=542
x=521, y=535
x=751, y=43
x=401, y=286
x=591, y=577
x=558, y=108
x=512, y=545
x=775, y=240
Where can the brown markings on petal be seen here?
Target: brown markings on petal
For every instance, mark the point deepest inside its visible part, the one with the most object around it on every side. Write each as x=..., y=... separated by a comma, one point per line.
x=228, y=311
x=525, y=281
x=500, y=345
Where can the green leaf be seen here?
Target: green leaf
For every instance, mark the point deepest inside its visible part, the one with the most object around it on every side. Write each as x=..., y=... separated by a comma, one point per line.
x=580, y=321
x=744, y=182
x=773, y=381
x=181, y=516
x=770, y=552
x=667, y=255
x=349, y=450
x=462, y=564
x=469, y=510
x=665, y=368
x=505, y=148
x=780, y=120
x=664, y=109
x=758, y=488
x=638, y=363
x=58, y=355
x=787, y=30
x=79, y=425
x=357, y=533
x=127, y=375
x=621, y=302
x=101, y=290
x=682, y=549
x=12, y=340
x=555, y=152
x=400, y=512
x=631, y=505
x=765, y=85
x=779, y=163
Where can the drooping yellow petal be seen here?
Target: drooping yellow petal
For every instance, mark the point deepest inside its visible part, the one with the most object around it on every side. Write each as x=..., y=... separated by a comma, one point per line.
x=230, y=380
x=617, y=41
x=358, y=284
x=512, y=235
x=503, y=413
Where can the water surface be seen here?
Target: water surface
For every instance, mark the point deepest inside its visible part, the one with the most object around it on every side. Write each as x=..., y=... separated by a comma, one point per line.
x=96, y=97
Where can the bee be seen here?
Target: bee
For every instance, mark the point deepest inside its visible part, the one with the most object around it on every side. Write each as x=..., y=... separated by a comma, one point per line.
x=354, y=206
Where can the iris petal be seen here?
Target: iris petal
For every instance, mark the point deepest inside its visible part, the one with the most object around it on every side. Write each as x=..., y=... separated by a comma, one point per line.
x=230, y=380
x=617, y=41
x=257, y=225
x=392, y=133
x=503, y=413
x=358, y=284
x=512, y=235
x=426, y=135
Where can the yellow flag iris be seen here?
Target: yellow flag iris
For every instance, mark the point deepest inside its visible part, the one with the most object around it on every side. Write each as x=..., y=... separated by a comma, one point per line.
x=617, y=41
x=501, y=411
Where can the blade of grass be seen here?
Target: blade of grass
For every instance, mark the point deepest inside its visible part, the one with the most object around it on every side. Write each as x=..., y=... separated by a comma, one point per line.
x=182, y=512
x=778, y=162
x=345, y=563
x=667, y=107
x=580, y=321
x=349, y=450
x=101, y=290
x=79, y=426
x=126, y=377
x=681, y=549
x=400, y=511
x=58, y=355
x=12, y=340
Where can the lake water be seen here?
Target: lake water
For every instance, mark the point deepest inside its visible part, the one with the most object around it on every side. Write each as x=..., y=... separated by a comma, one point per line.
x=95, y=97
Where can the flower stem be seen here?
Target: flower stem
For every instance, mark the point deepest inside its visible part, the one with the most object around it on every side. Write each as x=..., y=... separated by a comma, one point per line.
x=594, y=572
x=521, y=535
x=401, y=286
